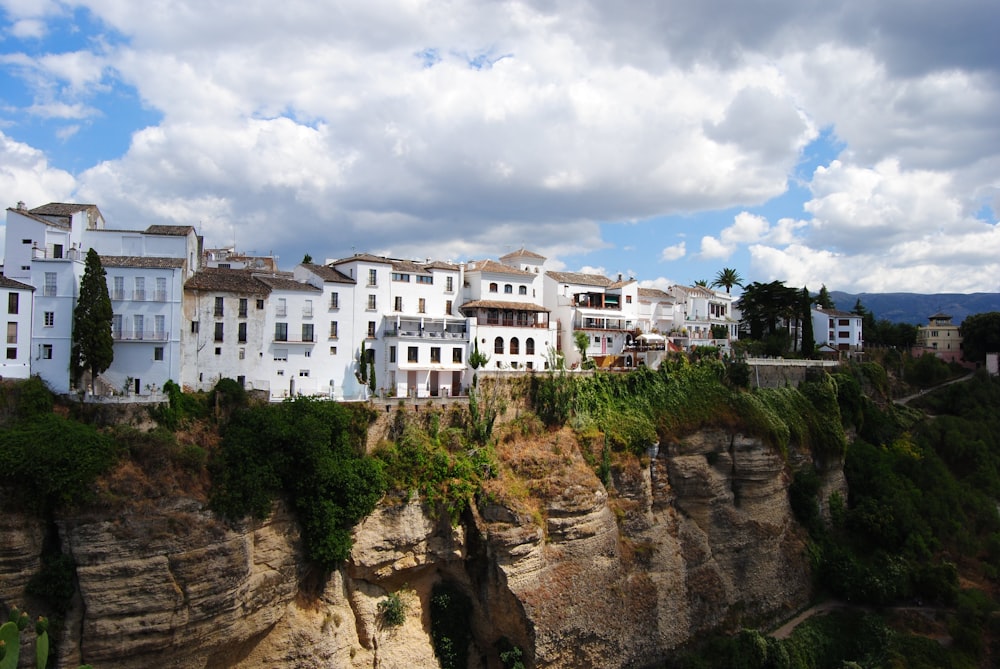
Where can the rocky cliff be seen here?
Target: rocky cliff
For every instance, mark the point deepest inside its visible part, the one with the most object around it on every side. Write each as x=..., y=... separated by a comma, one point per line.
x=578, y=574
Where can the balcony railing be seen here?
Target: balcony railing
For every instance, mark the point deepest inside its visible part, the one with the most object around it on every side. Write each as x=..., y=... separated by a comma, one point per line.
x=425, y=334
x=142, y=296
x=281, y=312
x=140, y=335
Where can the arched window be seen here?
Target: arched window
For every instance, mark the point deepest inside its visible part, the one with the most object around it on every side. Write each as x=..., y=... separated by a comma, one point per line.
x=507, y=288
x=498, y=345
x=529, y=346
x=515, y=346
x=522, y=290
x=493, y=287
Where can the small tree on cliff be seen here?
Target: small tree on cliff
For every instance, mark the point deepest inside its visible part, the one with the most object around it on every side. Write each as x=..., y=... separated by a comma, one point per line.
x=92, y=344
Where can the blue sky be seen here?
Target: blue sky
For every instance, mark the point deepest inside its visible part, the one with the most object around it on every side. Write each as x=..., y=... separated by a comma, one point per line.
x=818, y=145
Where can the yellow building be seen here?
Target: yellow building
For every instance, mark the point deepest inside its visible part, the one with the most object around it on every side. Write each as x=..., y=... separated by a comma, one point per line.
x=941, y=336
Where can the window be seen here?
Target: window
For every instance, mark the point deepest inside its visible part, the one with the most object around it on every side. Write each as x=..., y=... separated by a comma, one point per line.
x=307, y=332
x=371, y=329
x=307, y=309
x=25, y=241
x=411, y=354
x=333, y=329
x=449, y=283
x=46, y=351
x=522, y=290
x=333, y=350
x=392, y=354
x=50, y=284
x=493, y=288
x=447, y=308
x=243, y=307
x=260, y=304
x=281, y=310
x=241, y=334
x=194, y=327
x=11, y=333
x=158, y=353
x=422, y=305
x=281, y=331
x=435, y=354
x=218, y=350
x=140, y=289
x=398, y=276
x=508, y=289
x=218, y=331
x=335, y=300
x=371, y=303
x=529, y=346
x=529, y=365
x=12, y=303
x=498, y=345
x=425, y=279
x=12, y=353
x=219, y=302
x=456, y=354
x=118, y=289
x=372, y=277
x=57, y=250
x=50, y=319
x=243, y=354
x=242, y=380
x=161, y=289
x=138, y=325
x=116, y=326
x=281, y=354
x=397, y=303
x=515, y=346
x=628, y=299
x=303, y=372
x=597, y=339
x=160, y=327
x=280, y=372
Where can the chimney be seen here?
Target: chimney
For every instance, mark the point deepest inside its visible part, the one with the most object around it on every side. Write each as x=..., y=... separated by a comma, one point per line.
x=619, y=277
x=20, y=205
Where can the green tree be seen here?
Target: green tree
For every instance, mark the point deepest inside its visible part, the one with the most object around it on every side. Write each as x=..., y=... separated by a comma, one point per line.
x=307, y=259
x=582, y=341
x=727, y=278
x=92, y=345
x=703, y=283
x=765, y=305
x=980, y=335
x=808, y=337
x=823, y=300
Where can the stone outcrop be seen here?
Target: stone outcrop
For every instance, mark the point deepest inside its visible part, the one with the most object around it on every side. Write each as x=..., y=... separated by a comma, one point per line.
x=698, y=537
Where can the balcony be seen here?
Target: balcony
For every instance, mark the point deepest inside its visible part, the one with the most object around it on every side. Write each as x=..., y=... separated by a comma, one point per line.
x=140, y=335
x=281, y=312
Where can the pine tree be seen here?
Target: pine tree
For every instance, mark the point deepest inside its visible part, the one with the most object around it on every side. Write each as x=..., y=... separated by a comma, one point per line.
x=93, y=346
x=823, y=300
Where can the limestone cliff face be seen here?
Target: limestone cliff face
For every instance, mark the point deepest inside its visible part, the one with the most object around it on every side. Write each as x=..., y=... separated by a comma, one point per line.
x=698, y=537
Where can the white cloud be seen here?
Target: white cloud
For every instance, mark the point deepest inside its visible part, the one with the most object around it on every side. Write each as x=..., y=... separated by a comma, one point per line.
x=675, y=252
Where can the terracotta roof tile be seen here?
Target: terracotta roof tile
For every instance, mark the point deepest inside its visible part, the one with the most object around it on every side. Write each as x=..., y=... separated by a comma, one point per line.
x=286, y=283
x=227, y=281
x=500, y=304
x=142, y=261
x=522, y=253
x=11, y=283
x=329, y=274
x=494, y=267
x=581, y=279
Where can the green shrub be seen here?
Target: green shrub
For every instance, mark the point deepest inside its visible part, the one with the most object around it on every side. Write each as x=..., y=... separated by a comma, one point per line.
x=391, y=611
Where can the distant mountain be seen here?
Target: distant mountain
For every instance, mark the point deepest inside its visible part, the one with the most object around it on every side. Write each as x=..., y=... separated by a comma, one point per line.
x=915, y=308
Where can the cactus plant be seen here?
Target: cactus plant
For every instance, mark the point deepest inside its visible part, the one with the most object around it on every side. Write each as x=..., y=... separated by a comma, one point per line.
x=10, y=635
x=10, y=640
x=42, y=642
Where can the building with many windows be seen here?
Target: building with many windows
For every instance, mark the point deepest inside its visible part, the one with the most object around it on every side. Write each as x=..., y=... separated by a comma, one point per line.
x=17, y=298
x=840, y=330
x=941, y=337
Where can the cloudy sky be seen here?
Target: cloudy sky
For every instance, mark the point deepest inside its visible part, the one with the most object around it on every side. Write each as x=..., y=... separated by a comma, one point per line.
x=854, y=144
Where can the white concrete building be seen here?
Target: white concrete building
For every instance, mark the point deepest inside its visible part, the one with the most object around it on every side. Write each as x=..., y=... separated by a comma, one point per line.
x=700, y=314
x=508, y=320
x=656, y=310
x=606, y=310
x=338, y=337
x=223, y=334
x=17, y=297
x=841, y=330
x=290, y=339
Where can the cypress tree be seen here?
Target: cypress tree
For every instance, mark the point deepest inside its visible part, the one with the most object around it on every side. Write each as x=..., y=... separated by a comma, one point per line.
x=808, y=338
x=93, y=346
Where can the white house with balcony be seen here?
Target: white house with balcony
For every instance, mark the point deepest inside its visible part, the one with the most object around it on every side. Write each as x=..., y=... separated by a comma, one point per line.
x=508, y=320
x=146, y=298
x=16, y=297
x=338, y=335
x=700, y=315
x=291, y=361
x=223, y=330
x=607, y=311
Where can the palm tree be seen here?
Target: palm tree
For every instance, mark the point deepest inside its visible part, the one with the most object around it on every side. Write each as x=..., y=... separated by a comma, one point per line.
x=702, y=283
x=727, y=278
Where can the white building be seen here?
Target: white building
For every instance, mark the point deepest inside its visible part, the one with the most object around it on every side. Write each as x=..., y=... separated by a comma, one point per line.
x=17, y=297
x=841, y=330
x=509, y=322
x=223, y=334
x=290, y=339
x=700, y=315
x=607, y=311
x=338, y=337
x=656, y=310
